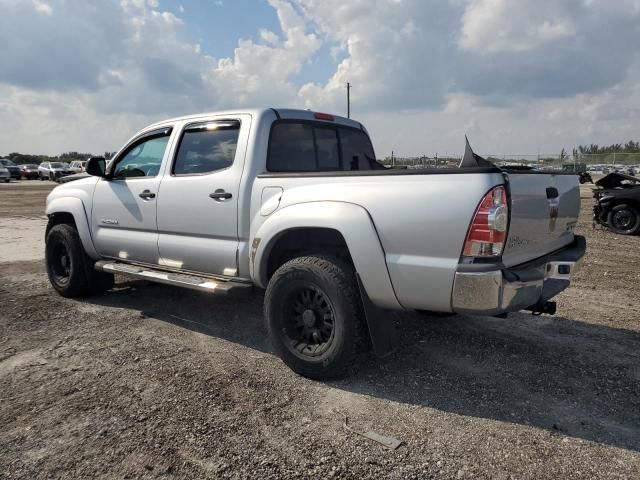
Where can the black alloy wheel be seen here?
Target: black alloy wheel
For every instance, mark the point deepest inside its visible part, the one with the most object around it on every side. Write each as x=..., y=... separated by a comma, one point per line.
x=309, y=322
x=70, y=270
x=60, y=263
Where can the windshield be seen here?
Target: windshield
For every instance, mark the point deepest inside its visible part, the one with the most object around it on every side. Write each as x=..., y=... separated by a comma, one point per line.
x=6, y=162
x=57, y=165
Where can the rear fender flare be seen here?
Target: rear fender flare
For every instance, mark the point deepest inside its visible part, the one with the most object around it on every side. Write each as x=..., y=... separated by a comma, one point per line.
x=75, y=207
x=354, y=224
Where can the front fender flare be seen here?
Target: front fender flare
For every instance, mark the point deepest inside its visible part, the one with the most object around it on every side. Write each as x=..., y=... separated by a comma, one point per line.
x=355, y=225
x=75, y=207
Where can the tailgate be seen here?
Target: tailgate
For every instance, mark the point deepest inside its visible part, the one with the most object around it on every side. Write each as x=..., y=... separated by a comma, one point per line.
x=544, y=212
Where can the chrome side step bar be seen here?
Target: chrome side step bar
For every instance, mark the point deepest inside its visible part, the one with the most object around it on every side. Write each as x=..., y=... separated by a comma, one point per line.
x=194, y=282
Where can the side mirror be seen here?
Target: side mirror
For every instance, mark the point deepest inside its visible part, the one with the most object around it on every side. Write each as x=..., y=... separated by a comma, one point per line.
x=96, y=166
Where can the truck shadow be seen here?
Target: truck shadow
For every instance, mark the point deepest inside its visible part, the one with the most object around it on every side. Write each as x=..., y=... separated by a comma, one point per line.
x=569, y=377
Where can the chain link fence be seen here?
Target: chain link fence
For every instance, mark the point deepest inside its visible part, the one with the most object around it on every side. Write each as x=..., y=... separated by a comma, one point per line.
x=595, y=162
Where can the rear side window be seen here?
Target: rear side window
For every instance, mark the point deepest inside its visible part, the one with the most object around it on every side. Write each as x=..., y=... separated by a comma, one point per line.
x=291, y=148
x=357, y=152
x=311, y=147
x=206, y=148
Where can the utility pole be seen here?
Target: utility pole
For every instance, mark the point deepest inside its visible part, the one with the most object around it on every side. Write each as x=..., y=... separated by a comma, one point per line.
x=348, y=100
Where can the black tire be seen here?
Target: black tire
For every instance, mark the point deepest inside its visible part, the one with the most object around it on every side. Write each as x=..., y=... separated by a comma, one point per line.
x=624, y=219
x=323, y=286
x=69, y=268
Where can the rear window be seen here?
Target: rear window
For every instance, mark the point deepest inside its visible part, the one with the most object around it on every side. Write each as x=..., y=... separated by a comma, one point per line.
x=312, y=147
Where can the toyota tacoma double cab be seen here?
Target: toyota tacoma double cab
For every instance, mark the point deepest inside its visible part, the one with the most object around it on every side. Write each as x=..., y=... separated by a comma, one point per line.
x=294, y=202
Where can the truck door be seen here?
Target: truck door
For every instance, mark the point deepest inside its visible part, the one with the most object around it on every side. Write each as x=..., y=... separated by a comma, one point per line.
x=198, y=205
x=123, y=216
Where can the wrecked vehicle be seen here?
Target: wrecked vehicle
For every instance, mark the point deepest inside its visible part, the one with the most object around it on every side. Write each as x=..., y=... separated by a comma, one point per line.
x=617, y=204
x=579, y=169
x=295, y=202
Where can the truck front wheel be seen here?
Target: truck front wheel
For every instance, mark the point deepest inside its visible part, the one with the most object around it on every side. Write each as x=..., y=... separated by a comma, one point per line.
x=68, y=267
x=314, y=316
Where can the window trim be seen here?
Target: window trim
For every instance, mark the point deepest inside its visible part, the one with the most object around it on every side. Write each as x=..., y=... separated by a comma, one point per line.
x=314, y=124
x=193, y=126
x=150, y=135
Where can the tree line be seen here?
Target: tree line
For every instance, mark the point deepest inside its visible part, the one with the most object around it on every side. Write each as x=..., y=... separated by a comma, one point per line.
x=595, y=149
x=629, y=147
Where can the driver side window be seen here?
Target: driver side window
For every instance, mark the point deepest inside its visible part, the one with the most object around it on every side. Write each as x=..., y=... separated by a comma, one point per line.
x=143, y=158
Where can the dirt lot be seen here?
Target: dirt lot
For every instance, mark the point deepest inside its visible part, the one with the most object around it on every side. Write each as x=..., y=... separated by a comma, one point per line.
x=150, y=381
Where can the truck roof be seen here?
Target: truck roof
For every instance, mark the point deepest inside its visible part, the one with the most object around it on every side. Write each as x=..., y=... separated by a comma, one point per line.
x=285, y=113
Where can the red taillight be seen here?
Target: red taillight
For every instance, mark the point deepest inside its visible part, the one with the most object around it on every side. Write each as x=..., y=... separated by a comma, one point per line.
x=488, y=230
x=324, y=116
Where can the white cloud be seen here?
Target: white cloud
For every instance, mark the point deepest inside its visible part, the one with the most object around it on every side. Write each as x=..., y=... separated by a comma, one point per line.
x=503, y=25
x=260, y=72
x=42, y=7
x=513, y=75
x=269, y=37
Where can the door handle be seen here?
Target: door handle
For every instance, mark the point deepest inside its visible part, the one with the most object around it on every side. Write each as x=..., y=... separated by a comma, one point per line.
x=552, y=192
x=146, y=194
x=220, y=195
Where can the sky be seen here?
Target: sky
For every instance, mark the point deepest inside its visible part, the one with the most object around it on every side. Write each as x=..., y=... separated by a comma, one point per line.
x=516, y=76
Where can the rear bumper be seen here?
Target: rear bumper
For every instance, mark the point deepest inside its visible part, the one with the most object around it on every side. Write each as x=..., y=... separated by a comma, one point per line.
x=497, y=291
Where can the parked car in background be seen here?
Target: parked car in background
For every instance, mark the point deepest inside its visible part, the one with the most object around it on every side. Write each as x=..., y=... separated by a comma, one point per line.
x=618, y=203
x=579, y=169
x=14, y=170
x=77, y=166
x=53, y=171
x=29, y=171
x=5, y=176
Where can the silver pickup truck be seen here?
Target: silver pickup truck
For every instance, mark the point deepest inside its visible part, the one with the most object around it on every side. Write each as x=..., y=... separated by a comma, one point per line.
x=294, y=202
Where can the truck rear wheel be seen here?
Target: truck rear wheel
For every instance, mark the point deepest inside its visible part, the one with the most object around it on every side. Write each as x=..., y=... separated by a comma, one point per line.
x=624, y=219
x=314, y=316
x=68, y=267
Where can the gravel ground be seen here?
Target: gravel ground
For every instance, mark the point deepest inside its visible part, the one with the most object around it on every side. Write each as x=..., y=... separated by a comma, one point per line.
x=149, y=381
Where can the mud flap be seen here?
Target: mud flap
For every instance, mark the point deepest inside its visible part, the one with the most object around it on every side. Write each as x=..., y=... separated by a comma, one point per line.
x=382, y=330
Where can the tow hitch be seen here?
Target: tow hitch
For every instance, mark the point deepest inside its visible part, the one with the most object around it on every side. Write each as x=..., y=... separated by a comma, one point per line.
x=548, y=308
